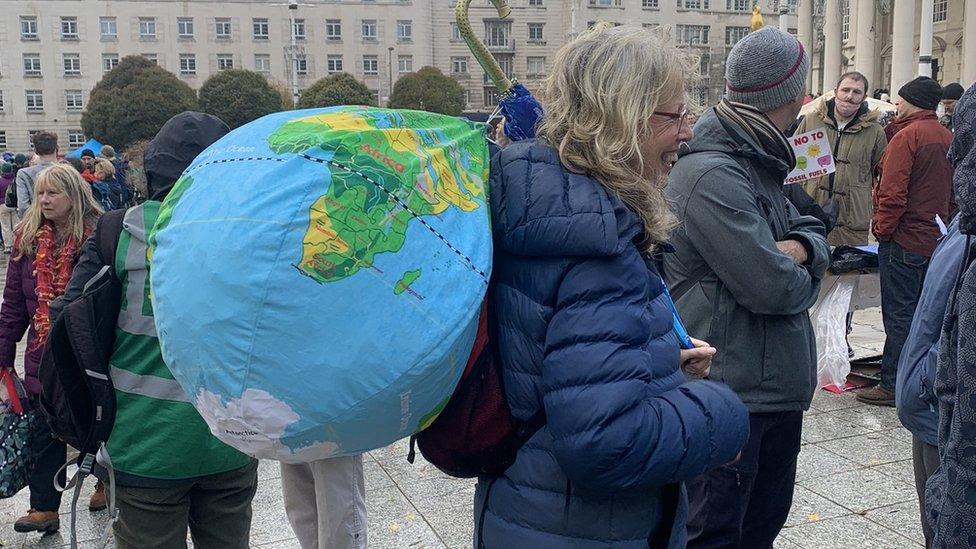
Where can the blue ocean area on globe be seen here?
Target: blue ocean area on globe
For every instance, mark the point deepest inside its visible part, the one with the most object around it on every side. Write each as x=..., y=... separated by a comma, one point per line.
x=317, y=277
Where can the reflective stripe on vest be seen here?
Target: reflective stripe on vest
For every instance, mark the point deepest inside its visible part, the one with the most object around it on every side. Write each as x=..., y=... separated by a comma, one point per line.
x=147, y=386
x=131, y=318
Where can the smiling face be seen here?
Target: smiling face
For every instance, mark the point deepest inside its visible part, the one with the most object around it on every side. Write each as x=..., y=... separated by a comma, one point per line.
x=669, y=128
x=54, y=202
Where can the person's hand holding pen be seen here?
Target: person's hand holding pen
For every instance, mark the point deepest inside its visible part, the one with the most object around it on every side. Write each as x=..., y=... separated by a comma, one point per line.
x=697, y=361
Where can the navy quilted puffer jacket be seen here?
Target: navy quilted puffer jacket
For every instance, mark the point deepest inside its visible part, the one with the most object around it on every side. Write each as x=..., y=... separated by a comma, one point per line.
x=585, y=331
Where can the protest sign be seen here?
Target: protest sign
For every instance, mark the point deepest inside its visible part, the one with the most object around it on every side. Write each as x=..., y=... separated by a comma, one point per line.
x=813, y=156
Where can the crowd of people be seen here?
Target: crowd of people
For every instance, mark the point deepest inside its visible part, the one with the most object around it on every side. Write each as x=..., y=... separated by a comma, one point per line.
x=619, y=216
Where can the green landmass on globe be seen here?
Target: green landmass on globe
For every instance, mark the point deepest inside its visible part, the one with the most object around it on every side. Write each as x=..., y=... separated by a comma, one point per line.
x=405, y=281
x=387, y=170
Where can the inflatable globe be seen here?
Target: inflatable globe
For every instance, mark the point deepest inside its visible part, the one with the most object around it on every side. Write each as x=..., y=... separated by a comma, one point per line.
x=317, y=277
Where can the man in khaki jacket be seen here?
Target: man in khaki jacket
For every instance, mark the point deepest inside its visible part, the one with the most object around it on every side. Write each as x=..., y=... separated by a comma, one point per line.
x=857, y=142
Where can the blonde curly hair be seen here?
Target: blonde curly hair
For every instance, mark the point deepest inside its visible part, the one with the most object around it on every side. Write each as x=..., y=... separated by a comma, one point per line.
x=599, y=98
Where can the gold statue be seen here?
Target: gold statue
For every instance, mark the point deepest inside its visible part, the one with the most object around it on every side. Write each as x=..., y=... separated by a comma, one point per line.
x=757, y=20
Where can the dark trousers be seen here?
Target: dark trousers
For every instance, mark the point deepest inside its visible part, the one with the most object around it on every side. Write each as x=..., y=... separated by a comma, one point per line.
x=216, y=509
x=902, y=274
x=49, y=455
x=745, y=505
x=925, y=460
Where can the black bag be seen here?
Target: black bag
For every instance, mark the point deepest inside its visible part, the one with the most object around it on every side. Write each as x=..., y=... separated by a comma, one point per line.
x=10, y=199
x=848, y=259
x=77, y=396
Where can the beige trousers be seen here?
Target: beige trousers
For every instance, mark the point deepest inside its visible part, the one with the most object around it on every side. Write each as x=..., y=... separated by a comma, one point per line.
x=326, y=502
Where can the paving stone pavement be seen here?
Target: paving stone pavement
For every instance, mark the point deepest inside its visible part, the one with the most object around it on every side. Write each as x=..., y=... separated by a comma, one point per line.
x=854, y=487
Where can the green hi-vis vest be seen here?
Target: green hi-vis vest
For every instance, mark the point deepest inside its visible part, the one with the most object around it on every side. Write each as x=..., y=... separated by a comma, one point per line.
x=158, y=434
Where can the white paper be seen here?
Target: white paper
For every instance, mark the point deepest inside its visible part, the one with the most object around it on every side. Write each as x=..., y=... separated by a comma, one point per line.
x=942, y=228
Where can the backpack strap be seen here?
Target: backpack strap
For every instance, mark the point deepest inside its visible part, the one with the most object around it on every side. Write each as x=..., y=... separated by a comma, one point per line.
x=107, y=233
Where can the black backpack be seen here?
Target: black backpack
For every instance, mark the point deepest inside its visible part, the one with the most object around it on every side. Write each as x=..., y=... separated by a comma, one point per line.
x=77, y=395
x=10, y=198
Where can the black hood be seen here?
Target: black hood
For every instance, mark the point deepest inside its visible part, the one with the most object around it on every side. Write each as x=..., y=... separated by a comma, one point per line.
x=178, y=142
x=962, y=155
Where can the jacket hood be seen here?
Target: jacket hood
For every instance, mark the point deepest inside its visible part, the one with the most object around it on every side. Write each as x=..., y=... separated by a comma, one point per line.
x=861, y=119
x=714, y=135
x=539, y=208
x=962, y=155
x=173, y=149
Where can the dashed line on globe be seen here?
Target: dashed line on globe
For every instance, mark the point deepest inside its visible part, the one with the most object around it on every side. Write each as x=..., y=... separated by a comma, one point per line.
x=405, y=207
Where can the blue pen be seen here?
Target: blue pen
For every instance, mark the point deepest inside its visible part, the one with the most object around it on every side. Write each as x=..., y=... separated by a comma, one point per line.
x=679, y=329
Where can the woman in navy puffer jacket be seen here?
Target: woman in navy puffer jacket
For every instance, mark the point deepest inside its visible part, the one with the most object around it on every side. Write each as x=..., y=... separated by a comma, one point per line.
x=584, y=324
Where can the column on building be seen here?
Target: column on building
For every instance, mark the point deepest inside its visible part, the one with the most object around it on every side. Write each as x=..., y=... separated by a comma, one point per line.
x=925, y=32
x=832, y=44
x=969, y=45
x=902, y=45
x=804, y=30
x=864, y=46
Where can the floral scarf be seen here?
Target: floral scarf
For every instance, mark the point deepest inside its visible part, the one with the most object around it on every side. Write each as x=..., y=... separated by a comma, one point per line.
x=52, y=266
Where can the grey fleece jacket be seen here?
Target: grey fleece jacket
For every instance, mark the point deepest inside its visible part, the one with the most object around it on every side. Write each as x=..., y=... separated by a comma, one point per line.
x=732, y=286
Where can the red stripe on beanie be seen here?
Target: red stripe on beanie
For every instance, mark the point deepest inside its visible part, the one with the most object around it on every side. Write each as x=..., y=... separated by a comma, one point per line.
x=796, y=66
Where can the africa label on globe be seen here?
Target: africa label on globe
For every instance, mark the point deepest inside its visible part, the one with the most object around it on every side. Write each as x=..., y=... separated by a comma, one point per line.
x=317, y=277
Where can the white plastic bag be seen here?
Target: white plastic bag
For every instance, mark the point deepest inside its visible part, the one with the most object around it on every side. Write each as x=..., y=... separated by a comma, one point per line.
x=829, y=318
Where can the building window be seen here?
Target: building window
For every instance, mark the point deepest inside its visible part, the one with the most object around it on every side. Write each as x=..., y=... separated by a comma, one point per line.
x=535, y=32
x=693, y=35
x=76, y=138
x=262, y=63
x=694, y=4
x=497, y=33
x=109, y=28
x=734, y=34
x=704, y=64
x=147, y=28
x=35, y=101
x=738, y=5
x=535, y=65
x=109, y=61
x=69, y=28
x=3, y=139
x=490, y=97
x=455, y=33
x=301, y=65
x=845, y=22
x=371, y=65
x=333, y=64
x=152, y=57
x=222, y=28
x=184, y=27
x=649, y=4
x=535, y=3
x=405, y=63
x=1, y=103
x=72, y=64
x=188, y=64
x=941, y=10
x=260, y=27
x=604, y=4
x=225, y=61
x=32, y=64
x=298, y=29
x=459, y=65
x=404, y=31
x=28, y=27
x=333, y=29
x=369, y=29
x=73, y=101
x=30, y=138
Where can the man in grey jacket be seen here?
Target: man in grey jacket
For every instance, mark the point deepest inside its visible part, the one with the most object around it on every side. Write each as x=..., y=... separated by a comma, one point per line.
x=46, y=147
x=745, y=270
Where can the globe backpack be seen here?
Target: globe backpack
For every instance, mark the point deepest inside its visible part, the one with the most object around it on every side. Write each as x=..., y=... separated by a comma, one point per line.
x=476, y=434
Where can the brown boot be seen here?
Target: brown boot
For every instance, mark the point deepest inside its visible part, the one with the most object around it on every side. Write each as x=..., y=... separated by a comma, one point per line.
x=877, y=396
x=98, y=500
x=38, y=521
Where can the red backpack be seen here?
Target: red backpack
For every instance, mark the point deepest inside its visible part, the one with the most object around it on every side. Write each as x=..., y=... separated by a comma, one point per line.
x=475, y=434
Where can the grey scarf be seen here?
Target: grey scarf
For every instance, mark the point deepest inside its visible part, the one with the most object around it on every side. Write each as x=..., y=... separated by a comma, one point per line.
x=759, y=127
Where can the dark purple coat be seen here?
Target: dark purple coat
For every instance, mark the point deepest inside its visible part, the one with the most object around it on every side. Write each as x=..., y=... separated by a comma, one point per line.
x=16, y=314
x=4, y=183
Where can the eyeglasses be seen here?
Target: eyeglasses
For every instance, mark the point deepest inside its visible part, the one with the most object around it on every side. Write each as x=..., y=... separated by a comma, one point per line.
x=679, y=116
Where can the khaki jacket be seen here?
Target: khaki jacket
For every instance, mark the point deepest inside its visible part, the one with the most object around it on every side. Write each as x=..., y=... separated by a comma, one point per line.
x=859, y=149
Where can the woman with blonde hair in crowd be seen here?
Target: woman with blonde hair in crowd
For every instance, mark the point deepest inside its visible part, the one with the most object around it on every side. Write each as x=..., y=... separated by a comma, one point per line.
x=584, y=322
x=47, y=244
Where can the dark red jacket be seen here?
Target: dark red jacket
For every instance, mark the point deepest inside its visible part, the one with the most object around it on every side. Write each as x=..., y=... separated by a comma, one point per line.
x=16, y=314
x=915, y=185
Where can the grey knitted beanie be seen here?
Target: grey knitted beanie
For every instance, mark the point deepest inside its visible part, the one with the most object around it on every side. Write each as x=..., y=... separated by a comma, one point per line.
x=766, y=69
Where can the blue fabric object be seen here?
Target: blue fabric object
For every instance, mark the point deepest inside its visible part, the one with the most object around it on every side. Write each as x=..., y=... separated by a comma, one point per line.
x=585, y=330
x=95, y=146
x=915, y=394
x=522, y=113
